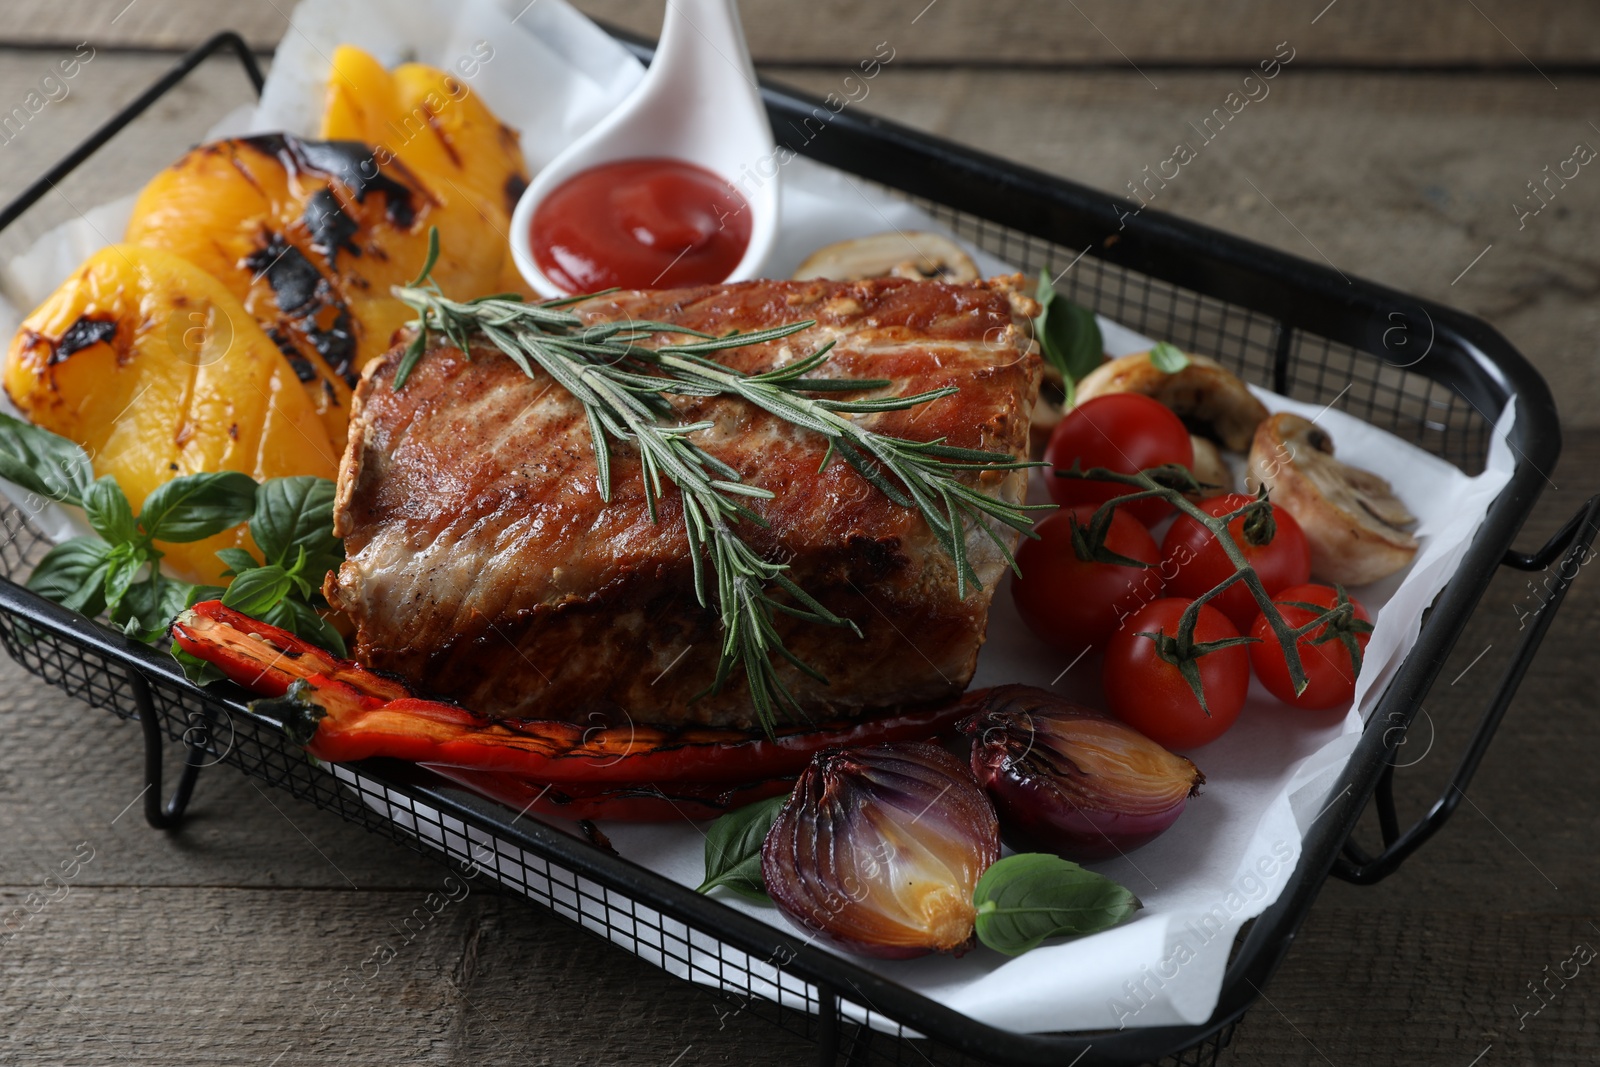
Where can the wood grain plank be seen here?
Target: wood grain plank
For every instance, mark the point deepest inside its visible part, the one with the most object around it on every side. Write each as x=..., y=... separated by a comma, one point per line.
x=181, y=976
x=1405, y=180
x=173, y=25
x=1427, y=986
x=1227, y=32
x=1095, y=32
x=99, y=88
x=79, y=778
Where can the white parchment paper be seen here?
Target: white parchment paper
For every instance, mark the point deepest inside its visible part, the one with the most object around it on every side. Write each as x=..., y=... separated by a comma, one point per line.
x=553, y=74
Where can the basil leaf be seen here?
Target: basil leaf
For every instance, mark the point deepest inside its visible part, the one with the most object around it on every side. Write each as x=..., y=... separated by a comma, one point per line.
x=197, y=506
x=198, y=593
x=1168, y=359
x=43, y=462
x=256, y=591
x=313, y=627
x=108, y=511
x=73, y=574
x=293, y=514
x=1068, y=335
x=280, y=614
x=1071, y=332
x=1026, y=898
x=123, y=564
x=238, y=561
x=197, y=670
x=1044, y=292
x=733, y=849
x=296, y=571
x=171, y=601
x=150, y=606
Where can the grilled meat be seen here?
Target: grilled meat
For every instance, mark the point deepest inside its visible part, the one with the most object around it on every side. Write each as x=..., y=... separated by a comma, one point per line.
x=483, y=566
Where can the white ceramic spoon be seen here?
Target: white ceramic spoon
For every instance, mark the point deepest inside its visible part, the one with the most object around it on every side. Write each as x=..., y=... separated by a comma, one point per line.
x=698, y=102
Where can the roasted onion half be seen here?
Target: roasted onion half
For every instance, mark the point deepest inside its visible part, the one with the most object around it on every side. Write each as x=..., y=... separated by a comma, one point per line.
x=878, y=850
x=1071, y=780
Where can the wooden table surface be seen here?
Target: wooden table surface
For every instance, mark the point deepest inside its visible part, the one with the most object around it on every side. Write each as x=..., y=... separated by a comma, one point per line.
x=1394, y=147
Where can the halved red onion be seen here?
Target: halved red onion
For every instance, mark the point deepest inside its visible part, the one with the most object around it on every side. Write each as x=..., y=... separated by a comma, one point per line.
x=1071, y=780
x=878, y=850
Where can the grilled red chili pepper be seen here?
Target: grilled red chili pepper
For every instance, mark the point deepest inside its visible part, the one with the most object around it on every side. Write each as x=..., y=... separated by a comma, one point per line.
x=655, y=802
x=344, y=712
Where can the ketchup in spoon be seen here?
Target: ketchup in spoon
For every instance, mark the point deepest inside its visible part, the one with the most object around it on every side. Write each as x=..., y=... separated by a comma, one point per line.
x=640, y=224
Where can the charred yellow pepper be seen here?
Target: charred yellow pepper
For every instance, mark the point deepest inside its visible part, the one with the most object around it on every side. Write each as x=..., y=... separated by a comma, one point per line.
x=157, y=370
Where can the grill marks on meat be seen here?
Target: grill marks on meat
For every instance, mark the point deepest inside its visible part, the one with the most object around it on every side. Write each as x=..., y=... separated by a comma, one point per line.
x=482, y=564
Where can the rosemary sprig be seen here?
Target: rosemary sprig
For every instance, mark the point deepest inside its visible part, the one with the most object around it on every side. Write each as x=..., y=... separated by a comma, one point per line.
x=623, y=385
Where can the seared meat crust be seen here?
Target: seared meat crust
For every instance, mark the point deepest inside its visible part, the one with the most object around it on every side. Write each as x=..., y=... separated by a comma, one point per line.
x=482, y=564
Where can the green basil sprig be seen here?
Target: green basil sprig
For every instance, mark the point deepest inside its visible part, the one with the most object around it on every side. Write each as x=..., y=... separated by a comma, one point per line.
x=733, y=849
x=292, y=525
x=113, y=571
x=116, y=571
x=43, y=463
x=1024, y=899
x=1068, y=335
x=1167, y=358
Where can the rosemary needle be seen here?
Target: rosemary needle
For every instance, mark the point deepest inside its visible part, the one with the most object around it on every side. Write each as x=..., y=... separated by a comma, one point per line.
x=622, y=384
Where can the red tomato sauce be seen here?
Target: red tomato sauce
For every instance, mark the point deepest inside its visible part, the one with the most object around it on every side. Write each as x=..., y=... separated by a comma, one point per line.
x=640, y=224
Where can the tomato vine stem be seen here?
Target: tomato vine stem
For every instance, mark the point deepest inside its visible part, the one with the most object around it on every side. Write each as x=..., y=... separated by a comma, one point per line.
x=1171, y=482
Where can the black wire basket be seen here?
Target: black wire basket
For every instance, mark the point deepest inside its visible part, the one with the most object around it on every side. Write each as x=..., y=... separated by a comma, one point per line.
x=1303, y=329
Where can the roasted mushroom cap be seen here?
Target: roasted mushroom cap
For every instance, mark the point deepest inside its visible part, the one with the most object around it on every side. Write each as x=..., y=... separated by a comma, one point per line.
x=1210, y=469
x=914, y=254
x=1210, y=400
x=1357, y=527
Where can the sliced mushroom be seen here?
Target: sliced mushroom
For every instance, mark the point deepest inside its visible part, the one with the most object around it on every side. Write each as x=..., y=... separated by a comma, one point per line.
x=1209, y=468
x=1210, y=400
x=1357, y=527
x=916, y=255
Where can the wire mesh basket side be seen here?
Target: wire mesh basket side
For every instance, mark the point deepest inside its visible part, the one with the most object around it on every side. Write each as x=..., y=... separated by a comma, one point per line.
x=1301, y=365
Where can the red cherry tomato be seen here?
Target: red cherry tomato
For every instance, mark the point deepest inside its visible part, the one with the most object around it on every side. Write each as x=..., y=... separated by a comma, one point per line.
x=1195, y=561
x=1330, y=669
x=1122, y=432
x=1150, y=694
x=1071, y=602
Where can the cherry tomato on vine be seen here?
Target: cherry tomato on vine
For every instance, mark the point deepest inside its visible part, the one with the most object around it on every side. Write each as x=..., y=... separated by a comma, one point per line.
x=1149, y=693
x=1196, y=562
x=1071, y=602
x=1330, y=668
x=1122, y=432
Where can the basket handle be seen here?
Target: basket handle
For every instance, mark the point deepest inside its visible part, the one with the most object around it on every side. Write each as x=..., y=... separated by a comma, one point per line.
x=1572, y=544
x=227, y=40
